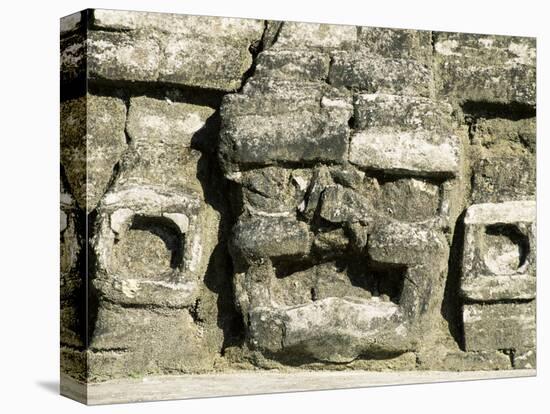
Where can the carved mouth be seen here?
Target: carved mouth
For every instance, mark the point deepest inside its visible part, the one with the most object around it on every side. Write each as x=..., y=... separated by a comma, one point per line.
x=350, y=276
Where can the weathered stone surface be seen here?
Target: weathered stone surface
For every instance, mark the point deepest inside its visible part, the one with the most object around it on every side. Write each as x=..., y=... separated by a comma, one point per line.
x=211, y=65
x=405, y=243
x=274, y=189
x=271, y=236
x=339, y=204
x=406, y=112
x=525, y=359
x=138, y=341
x=486, y=68
x=465, y=80
x=73, y=58
x=380, y=75
x=120, y=56
x=70, y=23
x=294, y=35
x=199, y=26
x=196, y=51
x=499, y=326
x=498, y=258
x=491, y=133
x=290, y=64
x=397, y=43
x=297, y=137
x=503, y=173
x=407, y=199
x=421, y=153
x=92, y=140
x=304, y=132
x=465, y=361
x=324, y=171
x=154, y=122
x=507, y=50
x=507, y=212
x=322, y=328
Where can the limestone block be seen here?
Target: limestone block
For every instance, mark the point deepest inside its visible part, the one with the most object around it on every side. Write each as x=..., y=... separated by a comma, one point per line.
x=291, y=64
x=280, y=96
x=139, y=341
x=320, y=329
x=493, y=49
x=274, y=189
x=407, y=199
x=73, y=58
x=339, y=204
x=525, y=359
x=396, y=43
x=197, y=51
x=92, y=142
x=154, y=122
x=207, y=64
x=486, y=68
x=397, y=243
x=465, y=79
x=502, y=173
x=271, y=236
x=420, y=153
x=499, y=255
x=499, y=326
x=306, y=131
x=493, y=132
x=297, y=137
x=152, y=247
x=406, y=112
x=380, y=75
x=124, y=57
x=180, y=24
x=295, y=35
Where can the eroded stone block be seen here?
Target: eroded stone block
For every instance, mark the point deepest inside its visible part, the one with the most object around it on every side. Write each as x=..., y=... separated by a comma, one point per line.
x=407, y=112
x=290, y=64
x=499, y=251
x=314, y=35
x=92, y=142
x=421, y=153
x=379, y=75
x=271, y=236
x=139, y=341
x=120, y=56
x=499, y=326
x=397, y=43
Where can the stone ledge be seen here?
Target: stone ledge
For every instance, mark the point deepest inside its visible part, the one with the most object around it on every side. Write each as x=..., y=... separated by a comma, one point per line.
x=249, y=383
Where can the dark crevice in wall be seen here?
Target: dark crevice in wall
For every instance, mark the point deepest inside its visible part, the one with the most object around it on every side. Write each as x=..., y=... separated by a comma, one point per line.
x=255, y=49
x=451, y=308
x=157, y=90
x=513, y=111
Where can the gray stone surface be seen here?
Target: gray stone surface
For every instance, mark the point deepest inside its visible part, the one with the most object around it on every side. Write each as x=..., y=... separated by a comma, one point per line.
x=421, y=153
x=498, y=258
x=499, y=326
x=252, y=195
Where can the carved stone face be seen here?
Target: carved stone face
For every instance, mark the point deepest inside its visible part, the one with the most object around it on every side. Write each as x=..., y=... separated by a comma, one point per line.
x=339, y=248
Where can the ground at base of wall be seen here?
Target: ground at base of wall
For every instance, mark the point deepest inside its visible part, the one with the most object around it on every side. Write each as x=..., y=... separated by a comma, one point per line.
x=248, y=383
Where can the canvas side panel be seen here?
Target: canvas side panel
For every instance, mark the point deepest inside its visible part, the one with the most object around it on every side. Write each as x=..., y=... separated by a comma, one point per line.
x=73, y=206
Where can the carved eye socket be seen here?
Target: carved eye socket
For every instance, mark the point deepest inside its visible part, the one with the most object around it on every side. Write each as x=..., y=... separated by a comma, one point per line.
x=151, y=248
x=505, y=249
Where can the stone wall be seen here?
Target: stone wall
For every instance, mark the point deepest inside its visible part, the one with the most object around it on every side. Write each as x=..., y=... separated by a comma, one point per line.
x=246, y=194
